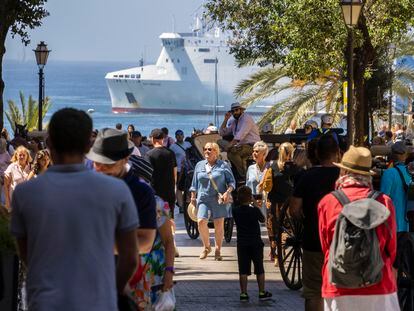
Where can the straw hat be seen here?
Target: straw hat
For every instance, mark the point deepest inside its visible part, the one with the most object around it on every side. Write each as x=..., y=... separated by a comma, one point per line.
x=192, y=211
x=357, y=160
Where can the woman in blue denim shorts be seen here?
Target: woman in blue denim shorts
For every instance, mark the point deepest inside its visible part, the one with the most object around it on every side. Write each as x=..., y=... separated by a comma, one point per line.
x=211, y=190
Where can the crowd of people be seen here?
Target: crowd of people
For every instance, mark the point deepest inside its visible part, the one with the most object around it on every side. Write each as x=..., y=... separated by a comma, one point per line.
x=83, y=197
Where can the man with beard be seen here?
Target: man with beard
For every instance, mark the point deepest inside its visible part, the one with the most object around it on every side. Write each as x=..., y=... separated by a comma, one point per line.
x=245, y=134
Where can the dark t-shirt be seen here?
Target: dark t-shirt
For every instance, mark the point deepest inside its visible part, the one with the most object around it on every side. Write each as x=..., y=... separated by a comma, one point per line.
x=144, y=198
x=163, y=162
x=247, y=220
x=311, y=188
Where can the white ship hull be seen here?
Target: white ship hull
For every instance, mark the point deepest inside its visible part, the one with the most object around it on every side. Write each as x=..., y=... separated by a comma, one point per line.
x=183, y=80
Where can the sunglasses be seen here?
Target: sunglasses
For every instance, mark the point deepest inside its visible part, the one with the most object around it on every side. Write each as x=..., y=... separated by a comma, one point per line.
x=234, y=110
x=208, y=149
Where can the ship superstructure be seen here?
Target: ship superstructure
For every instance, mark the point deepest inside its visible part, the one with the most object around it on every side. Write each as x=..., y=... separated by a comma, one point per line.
x=191, y=69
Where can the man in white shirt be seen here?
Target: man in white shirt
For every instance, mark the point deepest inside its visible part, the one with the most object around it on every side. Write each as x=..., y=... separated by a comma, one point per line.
x=246, y=133
x=292, y=128
x=179, y=148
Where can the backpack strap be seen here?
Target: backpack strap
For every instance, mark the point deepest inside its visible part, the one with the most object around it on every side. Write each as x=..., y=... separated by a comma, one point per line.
x=341, y=197
x=402, y=179
x=374, y=194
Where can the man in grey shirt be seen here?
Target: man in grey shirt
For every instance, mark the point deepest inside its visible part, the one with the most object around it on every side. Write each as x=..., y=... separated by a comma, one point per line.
x=67, y=221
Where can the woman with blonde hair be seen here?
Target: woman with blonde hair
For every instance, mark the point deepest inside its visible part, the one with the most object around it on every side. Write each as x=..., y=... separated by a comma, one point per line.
x=282, y=172
x=41, y=164
x=211, y=188
x=17, y=172
x=255, y=172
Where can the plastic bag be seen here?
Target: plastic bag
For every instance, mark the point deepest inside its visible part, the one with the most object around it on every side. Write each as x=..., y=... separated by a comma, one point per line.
x=165, y=301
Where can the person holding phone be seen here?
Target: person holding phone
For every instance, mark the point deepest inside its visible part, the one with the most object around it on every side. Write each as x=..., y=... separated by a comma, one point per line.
x=255, y=173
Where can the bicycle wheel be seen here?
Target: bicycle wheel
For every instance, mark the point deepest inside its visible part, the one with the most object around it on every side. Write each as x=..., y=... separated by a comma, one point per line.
x=289, y=249
x=190, y=226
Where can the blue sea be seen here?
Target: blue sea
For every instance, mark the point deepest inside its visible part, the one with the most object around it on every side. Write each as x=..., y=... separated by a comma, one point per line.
x=82, y=85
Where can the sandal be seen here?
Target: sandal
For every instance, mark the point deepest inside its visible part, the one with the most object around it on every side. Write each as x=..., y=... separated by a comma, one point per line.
x=205, y=252
x=217, y=256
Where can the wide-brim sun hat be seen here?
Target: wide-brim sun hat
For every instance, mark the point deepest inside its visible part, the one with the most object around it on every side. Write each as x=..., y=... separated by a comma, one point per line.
x=192, y=212
x=357, y=160
x=236, y=105
x=110, y=146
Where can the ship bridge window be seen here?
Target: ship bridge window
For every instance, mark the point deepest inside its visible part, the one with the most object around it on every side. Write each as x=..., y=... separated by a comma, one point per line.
x=131, y=98
x=209, y=61
x=166, y=60
x=138, y=76
x=172, y=60
x=121, y=76
x=132, y=76
x=126, y=76
x=203, y=50
x=115, y=76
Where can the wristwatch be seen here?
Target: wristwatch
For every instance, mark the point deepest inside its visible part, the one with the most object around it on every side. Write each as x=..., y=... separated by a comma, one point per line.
x=171, y=269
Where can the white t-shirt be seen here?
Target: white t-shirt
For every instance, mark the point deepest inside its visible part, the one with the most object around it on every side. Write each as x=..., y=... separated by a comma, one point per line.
x=179, y=151
x=16, y=174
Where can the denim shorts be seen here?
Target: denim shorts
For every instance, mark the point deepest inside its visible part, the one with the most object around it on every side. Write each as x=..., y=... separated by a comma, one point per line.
x=216, y=210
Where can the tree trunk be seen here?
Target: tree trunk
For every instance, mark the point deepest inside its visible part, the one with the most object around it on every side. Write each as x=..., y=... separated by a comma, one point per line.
x=3, y=35
x=364, y=56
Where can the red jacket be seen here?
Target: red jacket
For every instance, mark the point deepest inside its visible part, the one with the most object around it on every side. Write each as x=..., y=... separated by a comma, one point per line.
x=328, y=211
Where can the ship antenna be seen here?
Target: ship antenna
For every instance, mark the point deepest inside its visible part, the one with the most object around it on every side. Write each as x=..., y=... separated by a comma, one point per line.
x=215, y=110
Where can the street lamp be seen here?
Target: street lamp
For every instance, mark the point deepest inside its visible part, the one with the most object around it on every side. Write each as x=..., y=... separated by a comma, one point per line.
x=351, y=10
x=41, y=54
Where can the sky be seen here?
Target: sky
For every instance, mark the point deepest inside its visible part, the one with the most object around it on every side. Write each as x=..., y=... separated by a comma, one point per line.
x=106, y=30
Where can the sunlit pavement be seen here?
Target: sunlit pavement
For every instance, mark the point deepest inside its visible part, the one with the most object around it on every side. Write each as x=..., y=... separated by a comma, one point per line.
x=213, y=285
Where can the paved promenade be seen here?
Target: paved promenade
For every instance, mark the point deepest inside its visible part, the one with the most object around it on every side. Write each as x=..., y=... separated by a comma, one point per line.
x=211, y=285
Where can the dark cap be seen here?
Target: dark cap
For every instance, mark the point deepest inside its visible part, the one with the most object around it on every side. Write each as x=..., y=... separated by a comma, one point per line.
x=157, y=134
x=136, y=134
x=179, y=132
x=399, y=148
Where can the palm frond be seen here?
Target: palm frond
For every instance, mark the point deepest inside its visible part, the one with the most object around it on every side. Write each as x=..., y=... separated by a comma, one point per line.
x=264, y=78
x=32, y=115
x=264, y=93
x=23, y=104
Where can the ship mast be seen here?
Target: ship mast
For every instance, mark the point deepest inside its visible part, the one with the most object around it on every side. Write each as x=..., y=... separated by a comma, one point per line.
x=215, y=110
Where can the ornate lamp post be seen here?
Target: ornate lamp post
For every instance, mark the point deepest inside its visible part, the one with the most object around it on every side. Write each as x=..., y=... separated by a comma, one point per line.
x=41, y=54
x=351, y=9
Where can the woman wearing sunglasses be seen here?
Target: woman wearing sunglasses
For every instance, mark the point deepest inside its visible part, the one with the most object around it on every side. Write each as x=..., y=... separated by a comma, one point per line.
x=211, y=190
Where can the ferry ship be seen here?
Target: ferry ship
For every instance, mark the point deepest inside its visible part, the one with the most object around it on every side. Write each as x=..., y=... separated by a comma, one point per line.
x=195, y=73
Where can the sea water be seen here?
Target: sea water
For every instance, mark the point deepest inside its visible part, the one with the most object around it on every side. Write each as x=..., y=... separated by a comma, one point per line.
x=82, y=85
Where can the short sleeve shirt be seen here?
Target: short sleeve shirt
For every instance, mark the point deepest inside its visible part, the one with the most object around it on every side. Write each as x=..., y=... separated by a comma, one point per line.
x=179, y=150
x=313, y=185
x=163, y=162
x=69, y=216
x=16, y=174
x=144, y=198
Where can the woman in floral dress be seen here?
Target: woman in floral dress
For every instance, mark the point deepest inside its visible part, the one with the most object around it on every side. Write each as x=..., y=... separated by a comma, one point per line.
x=156, y=269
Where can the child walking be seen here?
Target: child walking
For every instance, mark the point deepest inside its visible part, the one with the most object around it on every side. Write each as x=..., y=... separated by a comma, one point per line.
x=249, y=243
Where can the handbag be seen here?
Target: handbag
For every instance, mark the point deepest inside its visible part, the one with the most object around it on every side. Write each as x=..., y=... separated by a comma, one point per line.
x=220, y=195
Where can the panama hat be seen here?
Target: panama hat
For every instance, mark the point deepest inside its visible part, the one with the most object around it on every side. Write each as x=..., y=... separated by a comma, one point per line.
x=110, y=146
x=192, y=211
x=236, y=105
x=357, y=160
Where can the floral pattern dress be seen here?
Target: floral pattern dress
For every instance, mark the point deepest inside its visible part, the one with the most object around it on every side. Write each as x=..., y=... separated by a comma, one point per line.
x=146, y=284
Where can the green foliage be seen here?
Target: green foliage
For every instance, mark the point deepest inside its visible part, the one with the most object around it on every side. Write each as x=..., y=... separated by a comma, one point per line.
x=22, y=15
x=7, y=244
x=309, y=36
x=28, y=114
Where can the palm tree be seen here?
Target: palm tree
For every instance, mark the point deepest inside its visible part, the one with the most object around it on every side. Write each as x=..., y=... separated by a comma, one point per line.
x=28, y=114
x=301, y=100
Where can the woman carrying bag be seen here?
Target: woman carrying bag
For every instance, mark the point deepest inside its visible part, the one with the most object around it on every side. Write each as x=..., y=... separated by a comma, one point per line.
x=211, y=190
